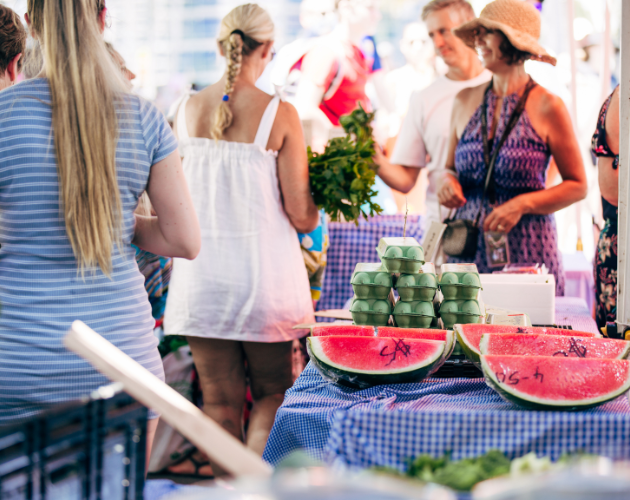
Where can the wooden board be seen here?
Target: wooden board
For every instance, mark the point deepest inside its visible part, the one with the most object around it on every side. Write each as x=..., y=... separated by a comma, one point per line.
x=205, y=433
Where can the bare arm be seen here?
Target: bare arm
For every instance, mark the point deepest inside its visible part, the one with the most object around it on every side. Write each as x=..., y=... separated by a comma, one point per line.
x=174, y=232
x=293, y=173
x=450, y=193
x=397, y=177
x=564, y=148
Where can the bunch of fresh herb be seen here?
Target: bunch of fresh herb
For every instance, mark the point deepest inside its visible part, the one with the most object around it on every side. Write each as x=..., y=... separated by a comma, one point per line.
x=342, y=177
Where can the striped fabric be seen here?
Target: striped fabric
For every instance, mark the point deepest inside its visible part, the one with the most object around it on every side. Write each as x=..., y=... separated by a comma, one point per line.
x=41, y=292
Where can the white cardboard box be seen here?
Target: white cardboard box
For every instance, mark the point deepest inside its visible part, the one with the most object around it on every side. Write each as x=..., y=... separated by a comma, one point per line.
x=533, y=294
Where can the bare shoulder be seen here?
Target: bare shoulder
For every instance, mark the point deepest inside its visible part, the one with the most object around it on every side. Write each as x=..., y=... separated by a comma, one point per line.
x=547, y=104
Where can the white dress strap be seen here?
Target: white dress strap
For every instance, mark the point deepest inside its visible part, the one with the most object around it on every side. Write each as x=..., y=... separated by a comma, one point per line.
x=182, y=129
x=266, y=123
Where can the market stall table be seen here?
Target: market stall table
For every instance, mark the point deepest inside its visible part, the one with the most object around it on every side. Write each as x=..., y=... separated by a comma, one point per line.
x=386, y=425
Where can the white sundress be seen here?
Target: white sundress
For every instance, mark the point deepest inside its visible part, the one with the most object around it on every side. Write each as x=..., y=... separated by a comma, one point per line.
x=249, y=282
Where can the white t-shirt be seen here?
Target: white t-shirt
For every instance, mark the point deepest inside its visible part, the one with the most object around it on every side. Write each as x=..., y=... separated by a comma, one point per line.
x=425, y=131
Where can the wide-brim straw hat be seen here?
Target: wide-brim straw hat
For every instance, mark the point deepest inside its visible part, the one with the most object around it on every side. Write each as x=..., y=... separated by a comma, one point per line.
x=518, y=20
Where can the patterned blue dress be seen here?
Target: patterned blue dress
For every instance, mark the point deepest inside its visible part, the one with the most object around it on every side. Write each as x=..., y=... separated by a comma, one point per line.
x=521, y=167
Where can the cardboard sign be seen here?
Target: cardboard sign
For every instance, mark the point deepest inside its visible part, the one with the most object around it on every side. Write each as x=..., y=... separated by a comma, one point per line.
x=431, y=241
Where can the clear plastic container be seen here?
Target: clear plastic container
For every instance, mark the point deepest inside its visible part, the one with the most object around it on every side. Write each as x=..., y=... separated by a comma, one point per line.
x=417, y=314
x=459, y=281
x=401, y=255
x=371, y=281
x=460, y=311
x=371, y=312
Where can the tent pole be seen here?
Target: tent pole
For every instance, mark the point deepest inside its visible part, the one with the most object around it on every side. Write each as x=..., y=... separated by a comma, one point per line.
x=623, y=269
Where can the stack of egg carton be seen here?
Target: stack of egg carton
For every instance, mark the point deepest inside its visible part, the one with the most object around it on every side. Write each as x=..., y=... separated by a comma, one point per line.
x=460, y=288
x=402, y=266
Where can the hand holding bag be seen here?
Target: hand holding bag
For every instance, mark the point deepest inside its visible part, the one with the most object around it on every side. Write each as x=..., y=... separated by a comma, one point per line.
x=461, y=236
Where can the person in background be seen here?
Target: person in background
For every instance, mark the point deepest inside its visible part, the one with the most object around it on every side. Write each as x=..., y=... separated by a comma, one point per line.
x=606, y=147
x=78, y=153
x=417, y=74
x=245, y=161
x=335, y=71
x=506, y=35
x=12, y=46
x=127, y=74
x=423, y=138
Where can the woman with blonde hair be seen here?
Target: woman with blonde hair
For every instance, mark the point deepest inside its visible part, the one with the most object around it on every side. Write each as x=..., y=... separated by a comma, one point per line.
x=245, y=161
x=78, y=151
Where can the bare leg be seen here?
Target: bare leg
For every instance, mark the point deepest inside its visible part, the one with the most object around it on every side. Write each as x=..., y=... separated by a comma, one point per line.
x=221, y=368
x=270, y=372
x=151, y=429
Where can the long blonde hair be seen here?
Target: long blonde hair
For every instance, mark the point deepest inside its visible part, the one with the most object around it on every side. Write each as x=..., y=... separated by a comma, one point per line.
x=242, y=31
x=83, y=84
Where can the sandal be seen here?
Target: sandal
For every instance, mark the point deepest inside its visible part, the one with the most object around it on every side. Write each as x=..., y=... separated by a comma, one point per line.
x=198, y=464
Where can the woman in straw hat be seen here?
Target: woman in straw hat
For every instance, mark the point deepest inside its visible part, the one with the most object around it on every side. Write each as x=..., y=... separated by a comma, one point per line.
x=524, y=126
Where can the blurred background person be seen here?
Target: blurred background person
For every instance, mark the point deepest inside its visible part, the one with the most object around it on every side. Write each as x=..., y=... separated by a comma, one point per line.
x=127, y=74
x=417, y=73
x=335, y=71
x=423, y=138
x=245, y=161
x=606, y=147
x=517, y=202
x=12, y=46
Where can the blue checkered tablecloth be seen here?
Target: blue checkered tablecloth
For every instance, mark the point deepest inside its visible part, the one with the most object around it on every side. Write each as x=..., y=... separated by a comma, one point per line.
x=385, y=425
x=350, y=244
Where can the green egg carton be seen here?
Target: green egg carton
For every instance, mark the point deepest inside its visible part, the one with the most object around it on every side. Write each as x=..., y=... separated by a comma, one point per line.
x=401, y=255
x=460, y=311
x=371, y=281
x=417, y=314
x=459, y=281
x=423, y=286
x=371, y=312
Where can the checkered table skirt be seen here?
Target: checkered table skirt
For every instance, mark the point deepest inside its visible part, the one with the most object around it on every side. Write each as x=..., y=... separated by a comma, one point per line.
x=386, y=425
x=350, y=244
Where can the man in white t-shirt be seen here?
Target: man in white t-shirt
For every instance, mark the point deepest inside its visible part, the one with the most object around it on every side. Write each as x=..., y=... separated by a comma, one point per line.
x=423, y=138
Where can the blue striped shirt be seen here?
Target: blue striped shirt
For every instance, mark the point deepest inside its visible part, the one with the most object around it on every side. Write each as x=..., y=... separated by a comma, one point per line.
x=41, y=292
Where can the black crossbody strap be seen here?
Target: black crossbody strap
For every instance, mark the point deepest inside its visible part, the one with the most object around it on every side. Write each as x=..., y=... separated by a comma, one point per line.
x=490, y=161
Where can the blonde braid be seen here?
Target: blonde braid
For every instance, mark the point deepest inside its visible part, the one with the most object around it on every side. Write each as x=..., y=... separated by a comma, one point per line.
x=233, y=48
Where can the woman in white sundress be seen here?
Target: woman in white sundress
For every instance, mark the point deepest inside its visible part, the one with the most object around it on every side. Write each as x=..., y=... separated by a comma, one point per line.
x=245, y=162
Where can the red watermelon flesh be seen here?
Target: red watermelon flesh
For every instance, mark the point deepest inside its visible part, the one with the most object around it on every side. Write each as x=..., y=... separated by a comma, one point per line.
x=553, y=345
x=469, y=335
x=364, y=361
x=419, y=333
x=326, y=330
x=544, y=382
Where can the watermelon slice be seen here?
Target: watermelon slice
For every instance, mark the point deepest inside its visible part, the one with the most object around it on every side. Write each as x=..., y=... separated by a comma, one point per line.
x=553, y=383
x=326, y=330
x=363, y=362
x=420, y=333
x=469, y=336
x=553, y=345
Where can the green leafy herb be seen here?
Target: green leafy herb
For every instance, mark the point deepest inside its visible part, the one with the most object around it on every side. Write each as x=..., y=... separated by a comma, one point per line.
x=461, y=475
x=342, y=177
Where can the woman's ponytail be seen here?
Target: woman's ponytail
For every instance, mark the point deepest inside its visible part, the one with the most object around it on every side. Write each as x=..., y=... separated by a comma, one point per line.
x=83, y=85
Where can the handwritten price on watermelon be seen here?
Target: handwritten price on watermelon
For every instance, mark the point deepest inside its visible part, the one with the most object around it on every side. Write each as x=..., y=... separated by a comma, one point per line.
x=514, y=378
x=399, y=346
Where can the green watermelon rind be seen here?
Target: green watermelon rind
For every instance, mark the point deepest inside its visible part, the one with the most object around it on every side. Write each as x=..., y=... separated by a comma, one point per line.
x=537, y=404
x=484, y=341
x=471, y=353
x=364, y=380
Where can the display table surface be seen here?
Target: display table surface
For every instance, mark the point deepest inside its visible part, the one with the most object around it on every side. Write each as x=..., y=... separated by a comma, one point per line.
x=386, y=425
